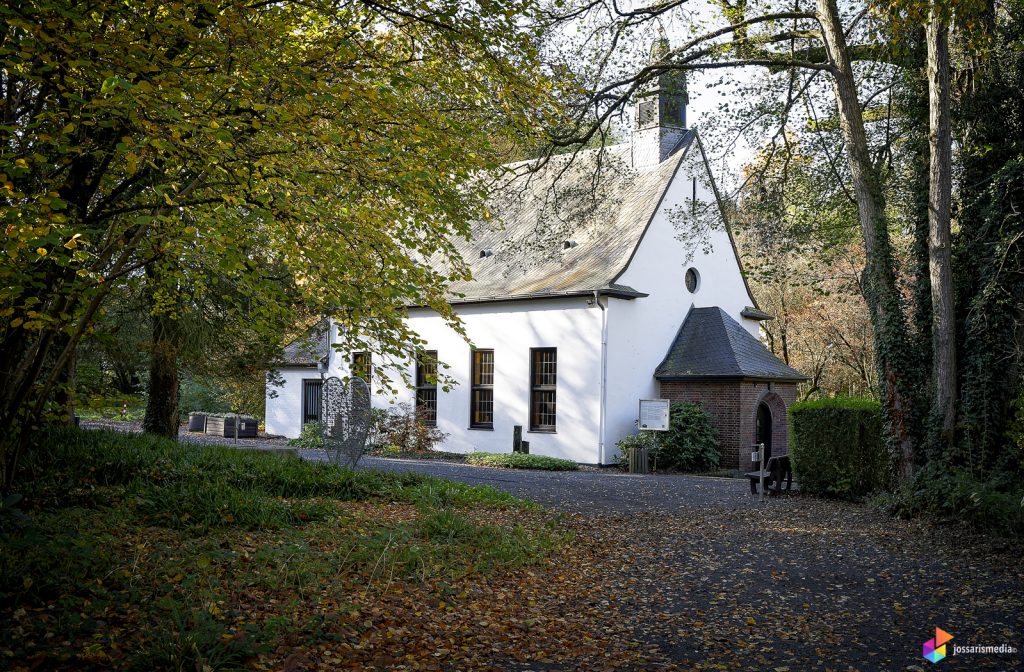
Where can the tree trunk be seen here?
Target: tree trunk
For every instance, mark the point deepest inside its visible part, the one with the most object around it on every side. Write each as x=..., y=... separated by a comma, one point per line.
x=879, y=277
x=66, y=390
x=943, y=410
x=162, y=391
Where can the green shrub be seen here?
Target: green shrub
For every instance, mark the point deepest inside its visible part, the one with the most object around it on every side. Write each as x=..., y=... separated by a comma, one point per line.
x=374, y=437
x=520, y=461
x=400, y=427
x=838, y=447
x=311, y=437
x=628, y=443
x=691, y=442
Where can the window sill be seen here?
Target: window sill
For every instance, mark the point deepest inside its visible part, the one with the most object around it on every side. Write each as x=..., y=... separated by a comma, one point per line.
x=542, y=431
x=481, y=428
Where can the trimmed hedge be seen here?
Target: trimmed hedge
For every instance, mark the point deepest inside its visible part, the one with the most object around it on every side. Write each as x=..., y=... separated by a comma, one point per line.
x=520, y=461
x=837, y=447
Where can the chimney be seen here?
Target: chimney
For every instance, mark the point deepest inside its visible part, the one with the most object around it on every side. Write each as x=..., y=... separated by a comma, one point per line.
x=660, y=112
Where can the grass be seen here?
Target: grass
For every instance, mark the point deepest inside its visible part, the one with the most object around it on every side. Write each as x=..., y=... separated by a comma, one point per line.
x=520, y=461
x=100, y=407
x=388, y=450
x=138, y=551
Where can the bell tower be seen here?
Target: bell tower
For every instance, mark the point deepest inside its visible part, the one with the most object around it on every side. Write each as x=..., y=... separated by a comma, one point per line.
x=660, y=112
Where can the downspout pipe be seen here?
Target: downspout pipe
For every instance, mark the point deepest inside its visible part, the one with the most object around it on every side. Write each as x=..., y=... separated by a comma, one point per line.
x=604, y=377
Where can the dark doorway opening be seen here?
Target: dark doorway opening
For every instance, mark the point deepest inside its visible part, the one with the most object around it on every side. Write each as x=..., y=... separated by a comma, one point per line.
x=312, y=391
x=763, y=433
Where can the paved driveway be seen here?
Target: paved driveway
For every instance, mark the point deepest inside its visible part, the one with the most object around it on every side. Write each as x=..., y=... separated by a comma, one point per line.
x=592, y=492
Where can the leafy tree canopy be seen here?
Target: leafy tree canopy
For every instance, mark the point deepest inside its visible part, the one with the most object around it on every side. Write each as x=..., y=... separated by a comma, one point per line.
x=318, y=148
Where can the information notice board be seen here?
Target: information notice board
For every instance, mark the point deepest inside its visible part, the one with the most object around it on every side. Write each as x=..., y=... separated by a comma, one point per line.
x=654, y=415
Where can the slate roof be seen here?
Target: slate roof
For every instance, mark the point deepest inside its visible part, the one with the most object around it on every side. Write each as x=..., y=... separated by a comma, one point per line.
x=710, y=344
x=308, y=349
x=596, y=200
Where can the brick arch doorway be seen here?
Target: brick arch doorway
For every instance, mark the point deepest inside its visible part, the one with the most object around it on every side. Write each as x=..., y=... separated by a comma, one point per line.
x=763, y=428
x=769, y=422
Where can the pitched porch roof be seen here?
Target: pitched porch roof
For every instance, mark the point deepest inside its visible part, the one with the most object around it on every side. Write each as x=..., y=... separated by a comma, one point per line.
x=710, y=344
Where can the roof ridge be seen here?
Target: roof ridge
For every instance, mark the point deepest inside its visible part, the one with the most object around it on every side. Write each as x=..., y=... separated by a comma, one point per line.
x=724, y=320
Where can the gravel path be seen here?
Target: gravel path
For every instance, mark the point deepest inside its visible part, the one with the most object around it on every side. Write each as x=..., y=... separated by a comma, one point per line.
x=588, y=492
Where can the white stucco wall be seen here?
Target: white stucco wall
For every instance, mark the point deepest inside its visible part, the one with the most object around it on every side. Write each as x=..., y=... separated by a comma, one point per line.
x=284, y=411
x=640, y=332
x=511, y=329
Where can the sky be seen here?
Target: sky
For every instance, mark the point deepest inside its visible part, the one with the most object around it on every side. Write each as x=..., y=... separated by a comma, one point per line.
x=704, y=99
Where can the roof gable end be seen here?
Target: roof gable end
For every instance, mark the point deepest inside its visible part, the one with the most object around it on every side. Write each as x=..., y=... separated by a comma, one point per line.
x=570, y=228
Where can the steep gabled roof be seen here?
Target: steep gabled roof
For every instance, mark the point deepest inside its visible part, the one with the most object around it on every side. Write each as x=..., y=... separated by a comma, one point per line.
x=309, y=349
x=568, y=229
x=710, y=344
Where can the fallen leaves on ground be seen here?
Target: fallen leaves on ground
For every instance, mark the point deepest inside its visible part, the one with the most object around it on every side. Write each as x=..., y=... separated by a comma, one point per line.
x=798, y=585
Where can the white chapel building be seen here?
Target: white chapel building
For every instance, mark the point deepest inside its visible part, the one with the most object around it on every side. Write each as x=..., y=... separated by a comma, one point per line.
x=585, y=299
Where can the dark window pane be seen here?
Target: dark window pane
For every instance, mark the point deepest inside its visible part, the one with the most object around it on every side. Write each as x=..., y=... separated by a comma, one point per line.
x=426, y=369
x=481, y=405
x=483, y=367
x=543, y=379
x=426, y=387
x=543, y=416
x=545, y=367
x=362, y=366
x=311, y=395
x=426, y=406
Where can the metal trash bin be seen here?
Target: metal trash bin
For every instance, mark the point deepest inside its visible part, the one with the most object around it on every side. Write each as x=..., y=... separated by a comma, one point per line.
x=197, y=422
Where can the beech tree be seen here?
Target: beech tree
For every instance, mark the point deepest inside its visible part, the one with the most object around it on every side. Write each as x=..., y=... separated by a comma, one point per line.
x=835, y=45
x=797, y=232
x=333, y=139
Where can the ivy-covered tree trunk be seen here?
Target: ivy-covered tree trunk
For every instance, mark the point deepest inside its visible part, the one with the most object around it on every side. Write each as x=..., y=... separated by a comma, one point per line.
x=940, y=189
x=893, y=348
x=988, y=255
x=912, y=96
x=162, y=390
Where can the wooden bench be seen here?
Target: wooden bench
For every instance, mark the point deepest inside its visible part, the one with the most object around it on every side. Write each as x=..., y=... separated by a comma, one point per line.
x=775, y=471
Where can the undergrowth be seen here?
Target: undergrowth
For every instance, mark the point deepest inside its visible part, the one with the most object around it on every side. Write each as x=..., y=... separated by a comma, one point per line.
x=992, y=508
x=169, y=545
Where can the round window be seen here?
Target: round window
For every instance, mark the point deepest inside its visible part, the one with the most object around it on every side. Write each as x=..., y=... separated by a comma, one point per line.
x=692, y=280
